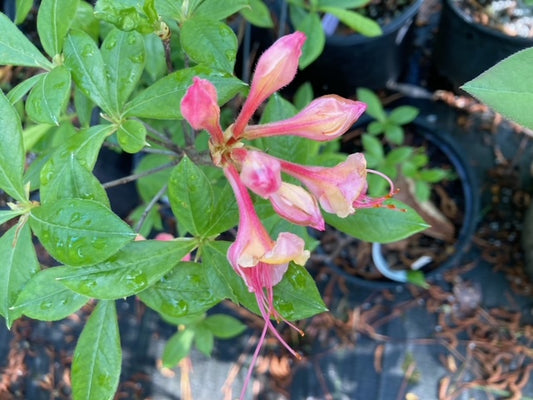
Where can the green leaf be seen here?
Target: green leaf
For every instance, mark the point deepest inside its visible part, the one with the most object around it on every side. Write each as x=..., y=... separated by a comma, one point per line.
x=225, y=214
x=22, y=9
x=79, y=232
x=32, y=135
x=161, y=100
x=316, y=38
x=49, y=97
x=417, y=278
x=6, y=215
x=303, y=96
x=12, y=150
x=399, y=155
x=84, y=108
x=135, y=267
x=357, y=22
x=65, y=178
x=191, y=198
x=422, y=191
x=185, y=290
x=97, y=358
x=403, y=115
x=343, y=3
x=209, y=42
x=296, y=296
x=373, y=150
x=131, y=136
x=380, y=225
x=19, y=91
x=53, y=22
x=45, y=299
x=16, y=49
x=224, y=326
x=86, y=21
x=177, y=348
x=84, y=59
x=394, y=133
x=155, y=65
x=123, y=56
x=204, y=340
x=19, y=264
x=218, y=10
x=507, y=87
x=434, y=175
x=126, y=15
x=258, y=14
x=374, y=106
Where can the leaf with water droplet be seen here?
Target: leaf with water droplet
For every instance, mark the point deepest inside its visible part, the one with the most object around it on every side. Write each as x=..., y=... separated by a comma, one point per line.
x=132, y=269
x=53, y=22
x=48, y=98
x=209, y=42
x=131, y=136
x=19, y=264
x=123, y=56
x=98, y=357
x=45, y=299
x=70, y=240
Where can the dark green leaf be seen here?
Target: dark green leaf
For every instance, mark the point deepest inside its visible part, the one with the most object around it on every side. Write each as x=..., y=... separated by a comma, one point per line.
x=12, y=150
x=403, y=115
x=86, y=21
x=185, y=290
x=131, y=136
x=19, y=91
x=123, y=57
x=191, y=198
x=218, y=10
x=162, y=99
x=33, y=134
x=49, y=97
x=45, y=299
x=224, y=326
x=19, y=264
x=84, y=108
x=357, y=22
x=177, y=348
x=258, y=14
x=84, y=59
x=16, y=49
x=209, y=42
x=53, y=23
x=126, y=15
x=97, y=358
x=135, y=267
x=155, y=65
x=225, y=213
x=381, y=225
x=507, y=87
x=316, y=38
x=79, y=232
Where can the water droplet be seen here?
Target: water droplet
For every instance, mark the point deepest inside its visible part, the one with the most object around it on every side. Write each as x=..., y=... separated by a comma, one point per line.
x=87, y=51
x=137, y=59
x=110, y=44
x=46, y=305
x=132, y=39
x=230, y=55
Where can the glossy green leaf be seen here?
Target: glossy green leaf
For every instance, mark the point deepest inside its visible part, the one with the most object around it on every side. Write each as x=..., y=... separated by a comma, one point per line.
x=79, y=232
x=22, y=8
x=224, y=326
x=33, y=134
x=19, y=91
x=49, y=97
x=84, y=59
x=11, y=151
x=507, y=87
x=97, y=358
x=258, y=14
x=65, y=178
x=225, y=213
x=126, y=15
x=209, y=42
x=45, y=299
x=185, y=290
x=177, y=348
x=135, y=267
x=16, y=49
x=131, y=136
x=86, y=21
x=155, y=66
x=123, y=55
x=53, y=23
x=381, y=225
x=218, y=10
x=357, y=22
x=6, y=215
x=311, y=25
x=191, y=197
x=19, y=264
x=84, y=108
x=161, y=100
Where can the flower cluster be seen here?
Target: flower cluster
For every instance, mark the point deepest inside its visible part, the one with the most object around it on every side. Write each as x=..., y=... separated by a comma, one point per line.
x=255, y=256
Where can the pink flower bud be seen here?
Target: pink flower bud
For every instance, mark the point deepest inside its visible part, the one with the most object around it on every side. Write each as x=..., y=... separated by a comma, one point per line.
x=325, y=118
x=200, y=108
x=275, y=69
x=260, y=173
x=297, y=205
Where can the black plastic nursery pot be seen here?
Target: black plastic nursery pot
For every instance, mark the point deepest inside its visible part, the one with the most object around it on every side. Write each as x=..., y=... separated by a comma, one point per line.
x=353, y=60
x=465, y=192
x=464, y=48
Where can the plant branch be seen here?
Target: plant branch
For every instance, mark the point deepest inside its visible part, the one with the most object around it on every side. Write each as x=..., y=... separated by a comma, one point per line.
x=133, y=177
x=149, y=207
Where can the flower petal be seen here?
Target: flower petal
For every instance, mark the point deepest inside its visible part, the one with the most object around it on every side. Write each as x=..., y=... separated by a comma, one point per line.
x=260, y=173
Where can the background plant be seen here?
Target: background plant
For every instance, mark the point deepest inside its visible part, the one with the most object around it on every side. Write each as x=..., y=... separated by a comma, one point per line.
x=114, y=76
